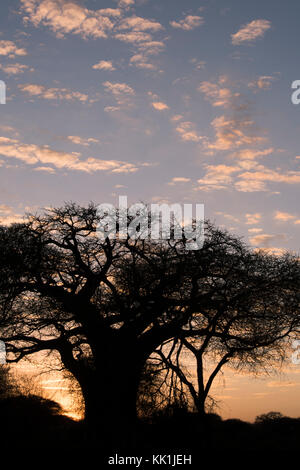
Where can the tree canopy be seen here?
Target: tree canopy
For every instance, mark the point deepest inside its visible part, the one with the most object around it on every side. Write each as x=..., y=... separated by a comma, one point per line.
x=105, y=306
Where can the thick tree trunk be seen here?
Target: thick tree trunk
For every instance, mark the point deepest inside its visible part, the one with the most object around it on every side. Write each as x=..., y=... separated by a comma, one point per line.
x=200, y=405
x=110, y=396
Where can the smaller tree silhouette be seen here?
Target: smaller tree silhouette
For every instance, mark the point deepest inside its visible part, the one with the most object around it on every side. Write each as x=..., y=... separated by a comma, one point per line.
x=251, y=312
x=270, y=417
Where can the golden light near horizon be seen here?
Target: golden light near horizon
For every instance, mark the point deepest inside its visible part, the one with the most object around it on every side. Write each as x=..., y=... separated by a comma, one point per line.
x=237, y=395
x=60, y=390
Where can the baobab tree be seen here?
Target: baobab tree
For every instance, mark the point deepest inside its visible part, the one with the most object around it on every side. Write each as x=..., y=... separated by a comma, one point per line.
x=106, y=305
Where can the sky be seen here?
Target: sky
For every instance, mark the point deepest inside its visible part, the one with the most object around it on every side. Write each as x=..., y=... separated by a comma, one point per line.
x=162, y=101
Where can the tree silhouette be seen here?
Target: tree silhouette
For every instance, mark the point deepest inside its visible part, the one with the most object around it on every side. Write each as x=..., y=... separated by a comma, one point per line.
x=106, y=305
x=8, y=386
x=254, y=310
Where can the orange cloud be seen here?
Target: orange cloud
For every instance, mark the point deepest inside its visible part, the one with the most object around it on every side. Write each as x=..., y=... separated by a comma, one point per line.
x=217, y=177
x=250, y=32
x=252, y=154
x=216, y=95
x=125, y=3
x=134, y=37
x=41, y=91
x=14, y=69
x=75, y=139
x=262, y=83
x=232, y=133
x=159, y=106
x=141, y=61
x=32, y=154
x=252, y=219
x=69, y=17
x=45, y=169
x=266, y=174
x=187, y=132
x=179, y=179
x=136, y=23
x=10, y=49
x=121, y=93
x=118, y=88
x=264, y=239
x=284, y=216
x=188, y=23
x=104, y=65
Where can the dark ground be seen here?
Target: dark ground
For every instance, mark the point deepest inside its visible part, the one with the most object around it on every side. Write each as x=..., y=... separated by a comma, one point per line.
x=35, y=423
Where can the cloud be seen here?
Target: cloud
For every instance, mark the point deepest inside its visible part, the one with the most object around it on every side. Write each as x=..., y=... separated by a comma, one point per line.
x=255, y=230
x=119, y=88
x=228, y=216
x=216, y=95
x=111, y=109
x=251, y=154
x=187, y=132
x=198, y=64
x=189, y=23
x=9, y=216
x=271, y=250
x=141, y=61
x=253, y=219
x=235, y=129
x=263, y=240
x=159, y=106
x=75, y=139
x=250, y=32
x=45, y=169
x=262, y=83
x=121, y=92
x=10, y=49
x=250, y=186
x=134, y=37
x=125, y=3
x=284, y=216
x=176, y=117
x=145, y=49
x=136, y=23
x=67, y=17
x=232, y=133
x=151, y=47
x=106, y=65
x=41, y=91
x=32, y=154
x=255, y=181
x=217, y=177
x=179, y=179
x=14, y=69
x=8, y=129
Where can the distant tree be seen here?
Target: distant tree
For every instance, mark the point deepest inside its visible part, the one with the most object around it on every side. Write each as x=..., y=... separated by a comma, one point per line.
x=269, y=417
x=252, y=310
x=106, y=305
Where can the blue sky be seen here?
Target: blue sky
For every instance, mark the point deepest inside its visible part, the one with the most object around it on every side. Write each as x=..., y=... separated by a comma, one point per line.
x=175, y=101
